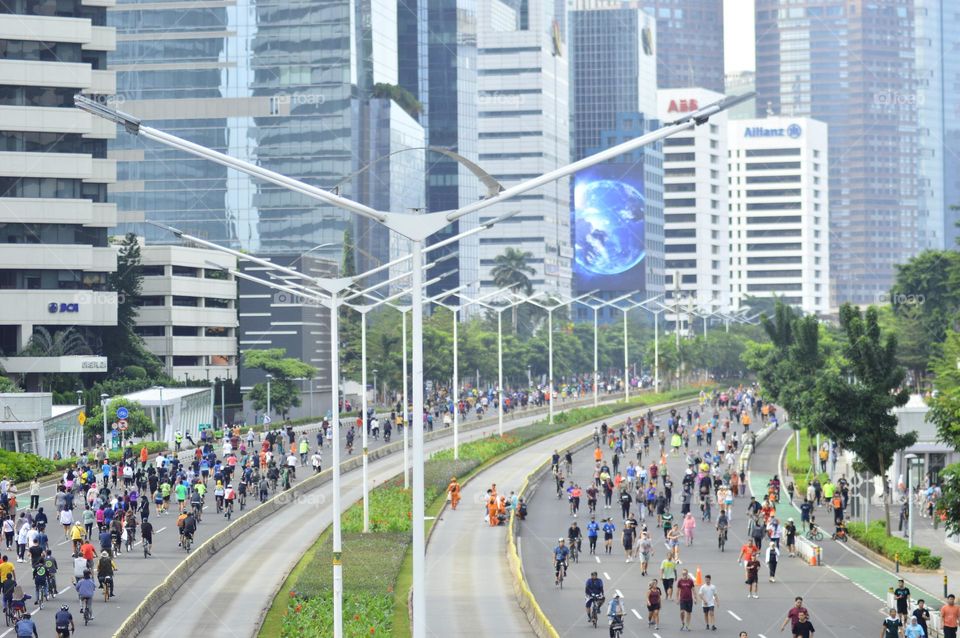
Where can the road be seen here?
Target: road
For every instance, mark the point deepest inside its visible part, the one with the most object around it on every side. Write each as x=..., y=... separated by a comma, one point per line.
x=220, y=601
x=837, y=608
x=137, y=576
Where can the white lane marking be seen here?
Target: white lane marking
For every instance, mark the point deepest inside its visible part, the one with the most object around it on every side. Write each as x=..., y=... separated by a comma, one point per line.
x=619, y=593
x=761, y=636
x=606, y=575
x=598, y=558
x=637, y=614
x=657, y=636
x=734, y=615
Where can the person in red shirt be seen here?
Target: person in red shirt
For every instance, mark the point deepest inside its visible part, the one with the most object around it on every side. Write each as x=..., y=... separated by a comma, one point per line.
x=685, y=587
x=793, y=616
x=747, y=552
x=949, y=614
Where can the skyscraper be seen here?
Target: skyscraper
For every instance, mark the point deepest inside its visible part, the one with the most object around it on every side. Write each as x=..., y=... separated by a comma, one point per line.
x=842, y=62
x=617, y=207
x=54, y=172
x=524, y=132
x=438, y=66
x=283, y=84
x=689, y=42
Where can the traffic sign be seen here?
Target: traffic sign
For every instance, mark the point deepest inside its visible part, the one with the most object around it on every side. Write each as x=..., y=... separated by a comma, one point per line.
x=122, y=413
x=82, y=418
x=204, y=426
x=122, y=424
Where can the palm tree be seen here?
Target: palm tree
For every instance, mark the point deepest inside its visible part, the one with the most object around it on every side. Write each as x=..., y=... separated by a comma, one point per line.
x=60, y=344
x=511, y=270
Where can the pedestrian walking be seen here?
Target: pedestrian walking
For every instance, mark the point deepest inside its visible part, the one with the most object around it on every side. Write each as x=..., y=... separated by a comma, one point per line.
x=772, y=557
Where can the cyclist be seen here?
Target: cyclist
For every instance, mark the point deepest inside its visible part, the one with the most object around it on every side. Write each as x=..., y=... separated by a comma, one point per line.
x=40, y=582
x=722, y=524
x=86, y=588
x=594, y=591
x=560, y=553
x=575, y=536
x=51, y=564
x=146, y=533
x=196, y=504
x=615, y=614
x=105, y=570
x=26, y=628
x=229, y=497
x=189, y=527
x=63, y=622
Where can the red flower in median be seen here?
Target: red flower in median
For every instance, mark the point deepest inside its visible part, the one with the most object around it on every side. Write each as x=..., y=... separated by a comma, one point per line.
x=298, y=608
x=356, y=616
x=372, y=630
x=292, y=593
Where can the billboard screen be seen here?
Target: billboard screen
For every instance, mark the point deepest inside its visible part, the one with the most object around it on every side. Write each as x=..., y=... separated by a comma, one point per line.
x=609, y=249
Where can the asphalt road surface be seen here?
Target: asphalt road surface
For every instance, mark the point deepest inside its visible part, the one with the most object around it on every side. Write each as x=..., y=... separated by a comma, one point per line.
x=838, y=607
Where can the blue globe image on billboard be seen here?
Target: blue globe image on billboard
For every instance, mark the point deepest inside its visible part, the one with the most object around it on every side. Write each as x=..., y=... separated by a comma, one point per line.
x=608, y=229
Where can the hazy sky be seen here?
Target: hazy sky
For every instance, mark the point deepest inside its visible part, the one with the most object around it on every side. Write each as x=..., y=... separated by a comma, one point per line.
x=738, y=36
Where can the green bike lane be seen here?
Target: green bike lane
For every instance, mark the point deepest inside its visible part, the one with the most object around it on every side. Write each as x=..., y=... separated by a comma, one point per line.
x=840, y=558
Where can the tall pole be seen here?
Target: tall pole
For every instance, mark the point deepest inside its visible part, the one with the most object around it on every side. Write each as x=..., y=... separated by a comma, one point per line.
x=268, y=398
x=596, y=359
x=223, y=402
x=456, y=387
x=550, y=362
x=626, y=357
x=335, y=423
x=656, y=351
x=403, y=407
x=500, y=371
x=910, y=506
x=363, y=408
x=419, y=542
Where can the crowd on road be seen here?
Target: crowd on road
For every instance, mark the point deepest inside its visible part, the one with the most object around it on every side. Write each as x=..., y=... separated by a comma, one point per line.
x=107, y=507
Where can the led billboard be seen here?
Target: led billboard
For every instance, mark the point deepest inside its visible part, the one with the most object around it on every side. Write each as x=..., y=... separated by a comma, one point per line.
x=609, y=251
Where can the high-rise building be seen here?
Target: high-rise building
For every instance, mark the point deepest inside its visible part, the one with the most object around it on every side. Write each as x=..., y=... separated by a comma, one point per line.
x=54, y=173
x=840, y=62
x=738, y=84
x=689, y=42
x=618, y=206
x=438, y=66
x=695, y=202
x=188, y=311
x=524, y=132
x=779, y=211
x=283, y=84
x=937, y=103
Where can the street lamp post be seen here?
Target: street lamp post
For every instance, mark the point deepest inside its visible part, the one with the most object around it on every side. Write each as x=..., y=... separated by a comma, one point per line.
x=103, y=413
x=910, y=458
x=376, y=392
x=625, y=309
x=79, y=397
x=416, y=228
x=269, y=378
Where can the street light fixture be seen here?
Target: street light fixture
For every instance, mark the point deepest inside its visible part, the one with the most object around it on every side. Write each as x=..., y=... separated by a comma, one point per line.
x=416, y=228
x=625, y=309
x=596, y=304
x=910, y=459
x=79, y=397
x=103, y=414
x=268, y=418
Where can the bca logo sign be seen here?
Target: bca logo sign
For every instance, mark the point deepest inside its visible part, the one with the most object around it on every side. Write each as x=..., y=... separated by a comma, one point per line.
x=682, y=106
x=54, y=307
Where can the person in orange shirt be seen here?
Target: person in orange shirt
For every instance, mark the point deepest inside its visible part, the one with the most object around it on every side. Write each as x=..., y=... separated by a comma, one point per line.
x=263, y=460
x=492, y=511
x=453, y=489
x=144, y=455
x=493, y=490
x=501, y=508
x=598, y=454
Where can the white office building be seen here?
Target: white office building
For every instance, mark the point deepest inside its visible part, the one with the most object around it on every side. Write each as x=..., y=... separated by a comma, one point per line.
x=54, y=173
x=524, y=132
x=695, y=203
x=30, y=423
x=779, y=211
x=188, y=311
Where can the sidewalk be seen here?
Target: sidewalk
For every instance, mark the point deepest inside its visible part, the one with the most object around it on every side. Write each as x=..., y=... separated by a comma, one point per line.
x=863, y=571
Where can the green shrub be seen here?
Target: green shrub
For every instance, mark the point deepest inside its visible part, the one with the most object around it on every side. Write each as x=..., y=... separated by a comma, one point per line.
x=892, y=547
x=135, y=372
x=20, y=467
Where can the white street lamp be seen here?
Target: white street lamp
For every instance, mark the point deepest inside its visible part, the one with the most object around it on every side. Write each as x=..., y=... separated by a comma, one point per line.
x=416, y=228
x=625, y=309
x=596, y=304
x=103, y=412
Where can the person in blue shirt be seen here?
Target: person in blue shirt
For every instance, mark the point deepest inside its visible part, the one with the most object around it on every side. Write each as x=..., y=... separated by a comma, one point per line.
x=913, y=630
x=593, y=531
x=26, y=628
x=608, y=529
x=63, y=622
x=560, y=553
x=593, y=589
x=86, y=588
x=615, y=614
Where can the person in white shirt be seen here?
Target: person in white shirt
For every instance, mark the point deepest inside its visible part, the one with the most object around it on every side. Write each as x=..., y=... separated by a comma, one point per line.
x=317, y=461
x=772, y=557
x=709, y=599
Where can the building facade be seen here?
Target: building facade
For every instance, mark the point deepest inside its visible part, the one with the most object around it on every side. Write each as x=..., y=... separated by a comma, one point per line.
x=188, y=313
x=695, y=216
x=779, y=212
x=523, y=127
x=842, y=63
x=54, y=173
x=31, y=424
x=689, y=42
x=273, y=319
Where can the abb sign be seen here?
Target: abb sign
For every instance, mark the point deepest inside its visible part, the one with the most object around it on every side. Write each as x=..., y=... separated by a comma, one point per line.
x=682, y=106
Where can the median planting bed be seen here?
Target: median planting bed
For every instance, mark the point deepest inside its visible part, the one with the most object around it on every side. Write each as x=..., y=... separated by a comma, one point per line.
x=893, y=548
x=376, y=565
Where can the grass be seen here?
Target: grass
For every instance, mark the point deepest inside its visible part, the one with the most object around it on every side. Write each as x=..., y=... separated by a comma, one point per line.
x=802, y=468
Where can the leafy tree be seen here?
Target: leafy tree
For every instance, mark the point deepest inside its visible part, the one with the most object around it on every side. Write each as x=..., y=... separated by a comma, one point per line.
x=138, y=423
x=854, y=401
x=6, y=385
x=945, y=414
x=283, y=389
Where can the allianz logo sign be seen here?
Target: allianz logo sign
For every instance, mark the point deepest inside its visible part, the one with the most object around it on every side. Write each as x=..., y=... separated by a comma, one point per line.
x=793, y=131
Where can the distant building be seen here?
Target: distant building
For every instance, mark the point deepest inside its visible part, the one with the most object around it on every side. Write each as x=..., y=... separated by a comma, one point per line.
x=184, y=410
x=31, y=423
x=54, y=173
x=188, y=313
x=779, y=211
x=272, y=319
x=738, y=84
x=689, y=42
x=696, y=228
x=524, y=132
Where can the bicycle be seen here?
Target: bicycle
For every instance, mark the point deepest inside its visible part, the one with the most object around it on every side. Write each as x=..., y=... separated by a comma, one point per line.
x=814, y=534
x=146, y=548
x=722, y=538
x=616, y=626
x=574, y=551
x=187, y=542
x=561, y=572
x=52, y=584
x=229, y=509
x=107, y=588
x=596, y=603
x=840, y=536
x=85, y=611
